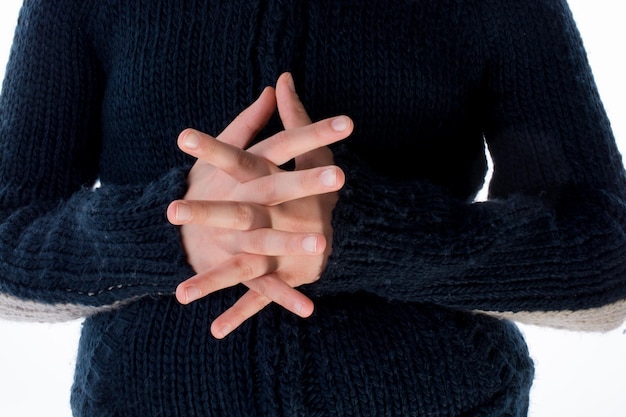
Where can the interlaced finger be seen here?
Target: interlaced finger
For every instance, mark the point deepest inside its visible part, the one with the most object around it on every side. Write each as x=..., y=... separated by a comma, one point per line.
x=238, y=269
x=291, y=143
x=236, y=162
x=224, y=214
x=251, y=121
x=293, y=114
x=263, y=290
x=292, y=185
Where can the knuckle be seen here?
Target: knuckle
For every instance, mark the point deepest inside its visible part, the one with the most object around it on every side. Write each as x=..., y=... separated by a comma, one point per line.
x=259, y=302
x=244, y=216
x=260, y=286
x=202, y=212
x=249, y=124
x=309, y=180
x=258, y=243
x=246, y=160
x=266, y=291
x=295, y=278
x=267, y=188
x=319, y=131
x=299, y=108
x=282, y=140
x=252, y=126
x=298, y=223
x=244, y=269
x=300, y=277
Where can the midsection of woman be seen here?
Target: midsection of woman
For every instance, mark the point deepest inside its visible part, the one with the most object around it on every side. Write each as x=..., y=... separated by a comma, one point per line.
x=359, y=354
x=394, y=331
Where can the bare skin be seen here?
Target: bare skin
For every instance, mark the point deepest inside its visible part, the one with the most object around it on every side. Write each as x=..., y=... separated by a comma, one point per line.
x=244, y=220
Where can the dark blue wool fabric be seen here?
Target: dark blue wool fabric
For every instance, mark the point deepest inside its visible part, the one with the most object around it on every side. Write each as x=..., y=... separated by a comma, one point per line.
x=100, y=89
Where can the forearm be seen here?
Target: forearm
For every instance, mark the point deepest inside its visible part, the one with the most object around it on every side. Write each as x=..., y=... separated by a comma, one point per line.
x=94, y=250
x=414, y=242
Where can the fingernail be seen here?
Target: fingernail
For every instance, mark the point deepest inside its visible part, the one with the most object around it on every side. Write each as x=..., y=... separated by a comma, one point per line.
x=298, y=308
x=329, y=177
x=183, y=212
x=309, y=244
x=226, y=329
x=191, y=140
x=192, y=294
x=290, y=83
x=339, y=124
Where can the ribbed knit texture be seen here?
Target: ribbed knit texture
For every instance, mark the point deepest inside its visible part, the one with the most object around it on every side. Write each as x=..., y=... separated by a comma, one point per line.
x=101, y=89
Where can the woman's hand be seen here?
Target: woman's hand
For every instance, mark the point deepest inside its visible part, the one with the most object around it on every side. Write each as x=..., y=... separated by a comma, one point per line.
x=246, y=221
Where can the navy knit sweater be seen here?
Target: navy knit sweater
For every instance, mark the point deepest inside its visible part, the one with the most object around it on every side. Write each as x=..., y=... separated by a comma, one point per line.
x=404, y=326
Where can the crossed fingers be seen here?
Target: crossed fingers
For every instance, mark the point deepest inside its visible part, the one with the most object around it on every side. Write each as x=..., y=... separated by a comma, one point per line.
x=258, y=209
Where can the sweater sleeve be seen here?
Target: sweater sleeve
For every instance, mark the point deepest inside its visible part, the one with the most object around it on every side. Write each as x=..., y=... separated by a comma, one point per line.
x=549, y=246
x=67, y=248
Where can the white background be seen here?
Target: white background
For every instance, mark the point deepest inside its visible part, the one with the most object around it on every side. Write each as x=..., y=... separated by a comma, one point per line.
x=577, y=374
